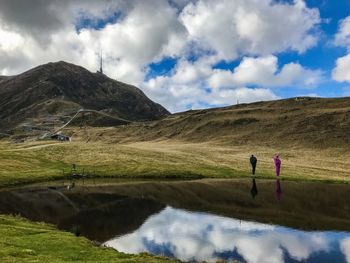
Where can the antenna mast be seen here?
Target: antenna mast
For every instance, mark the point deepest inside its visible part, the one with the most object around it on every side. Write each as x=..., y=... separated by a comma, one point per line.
x=101, y=63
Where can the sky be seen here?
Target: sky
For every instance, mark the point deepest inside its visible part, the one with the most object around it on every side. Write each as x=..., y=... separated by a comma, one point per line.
x=189, y=54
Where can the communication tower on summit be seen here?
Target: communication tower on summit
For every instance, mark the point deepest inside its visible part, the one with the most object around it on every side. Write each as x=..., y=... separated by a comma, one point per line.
x=101, y=64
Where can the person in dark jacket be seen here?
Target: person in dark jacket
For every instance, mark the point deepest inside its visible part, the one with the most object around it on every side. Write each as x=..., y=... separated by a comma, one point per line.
x=253, y=162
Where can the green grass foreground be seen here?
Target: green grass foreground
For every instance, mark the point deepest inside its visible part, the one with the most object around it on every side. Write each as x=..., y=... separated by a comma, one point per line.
x=25, y=241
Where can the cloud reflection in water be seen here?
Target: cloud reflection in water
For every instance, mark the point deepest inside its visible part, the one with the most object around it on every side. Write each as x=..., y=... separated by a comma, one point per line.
x=191, y=236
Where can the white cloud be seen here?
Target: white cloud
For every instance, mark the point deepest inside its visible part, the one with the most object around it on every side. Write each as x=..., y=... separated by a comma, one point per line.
x=341, y=72
x=190, y=84
x=39, y=31
x=10, y=40
x=240, y=27
x=252, y=70
x=342, y=38
x=263, y=71
x=198, y=84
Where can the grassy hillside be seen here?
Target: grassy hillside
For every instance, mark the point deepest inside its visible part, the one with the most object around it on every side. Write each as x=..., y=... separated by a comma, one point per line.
x=24, y=241
x=303, y=122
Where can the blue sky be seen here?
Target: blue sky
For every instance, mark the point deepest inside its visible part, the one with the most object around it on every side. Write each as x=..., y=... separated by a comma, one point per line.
x=189, y=54
x=323, y=56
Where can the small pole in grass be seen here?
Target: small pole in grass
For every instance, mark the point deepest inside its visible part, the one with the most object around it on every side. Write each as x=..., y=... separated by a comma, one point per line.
x=63, y=177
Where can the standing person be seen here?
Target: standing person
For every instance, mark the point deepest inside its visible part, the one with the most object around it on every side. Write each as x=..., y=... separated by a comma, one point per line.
x=277, y=161
x=253, y=162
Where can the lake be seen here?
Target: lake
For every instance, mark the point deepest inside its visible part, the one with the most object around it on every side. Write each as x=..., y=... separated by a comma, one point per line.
x=235, y=220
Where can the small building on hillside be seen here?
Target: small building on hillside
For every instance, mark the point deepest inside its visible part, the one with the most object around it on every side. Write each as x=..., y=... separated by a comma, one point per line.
x=60, y=137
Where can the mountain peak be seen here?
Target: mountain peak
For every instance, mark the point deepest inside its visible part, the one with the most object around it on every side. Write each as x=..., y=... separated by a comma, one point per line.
x=61, y=88
x=57, y=68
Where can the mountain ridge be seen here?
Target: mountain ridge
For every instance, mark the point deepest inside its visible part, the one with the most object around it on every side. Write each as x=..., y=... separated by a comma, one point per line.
x=299, y=122
x=61, y=88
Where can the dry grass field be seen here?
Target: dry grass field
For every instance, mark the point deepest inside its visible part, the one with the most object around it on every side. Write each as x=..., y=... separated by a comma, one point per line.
x=38, y=161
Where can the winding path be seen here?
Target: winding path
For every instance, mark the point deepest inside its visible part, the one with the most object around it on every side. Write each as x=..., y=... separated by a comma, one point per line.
x=82, y=111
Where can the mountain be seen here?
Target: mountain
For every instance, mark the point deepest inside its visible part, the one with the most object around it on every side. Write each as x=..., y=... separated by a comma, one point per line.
x=47, y=96
x=304, y=121
x=52, y=93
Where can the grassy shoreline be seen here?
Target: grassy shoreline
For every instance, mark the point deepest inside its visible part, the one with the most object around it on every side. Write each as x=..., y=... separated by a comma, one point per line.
x=25, y=241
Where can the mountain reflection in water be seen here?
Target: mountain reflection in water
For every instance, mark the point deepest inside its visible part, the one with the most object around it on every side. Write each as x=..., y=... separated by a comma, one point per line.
x=191, y=236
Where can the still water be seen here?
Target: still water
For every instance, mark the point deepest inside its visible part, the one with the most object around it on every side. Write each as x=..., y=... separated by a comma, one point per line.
x=136, y=217
x=194, y=236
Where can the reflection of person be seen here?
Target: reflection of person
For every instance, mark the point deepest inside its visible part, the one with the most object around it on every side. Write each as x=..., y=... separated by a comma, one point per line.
x=277, y=161
x=253, y=162
x=278, y=190
x=254, y=190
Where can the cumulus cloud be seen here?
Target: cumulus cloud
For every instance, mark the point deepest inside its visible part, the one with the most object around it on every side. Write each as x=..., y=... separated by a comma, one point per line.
x=264, y=71
x=240, y=27
x=142, y=37
x=40, y=19
x=342, y=38
x=144, y=32
x=191, y=83
x=204, y=237
x=341, y=72
x=192, y=80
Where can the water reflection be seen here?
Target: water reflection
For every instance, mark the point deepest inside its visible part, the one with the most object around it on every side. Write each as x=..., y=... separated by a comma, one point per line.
x=278, y=190
x=345, y=248
x=192, y=236
x=254, y=189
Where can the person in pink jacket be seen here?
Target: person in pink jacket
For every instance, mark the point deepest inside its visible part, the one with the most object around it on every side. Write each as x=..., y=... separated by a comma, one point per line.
x=277, y=161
